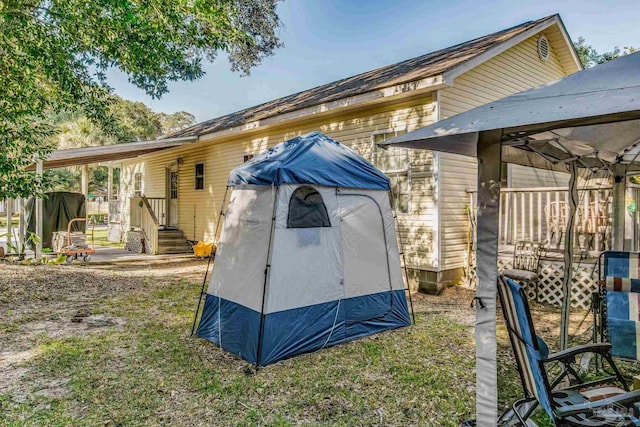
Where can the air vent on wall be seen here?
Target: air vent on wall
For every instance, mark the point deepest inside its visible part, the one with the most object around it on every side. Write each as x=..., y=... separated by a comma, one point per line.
x=543, y=48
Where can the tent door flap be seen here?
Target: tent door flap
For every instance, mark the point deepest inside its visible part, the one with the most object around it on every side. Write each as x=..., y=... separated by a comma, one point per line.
x=367, y=282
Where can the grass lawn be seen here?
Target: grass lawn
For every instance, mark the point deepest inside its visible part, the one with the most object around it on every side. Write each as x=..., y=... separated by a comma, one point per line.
x=130, y=361
x=100, y=237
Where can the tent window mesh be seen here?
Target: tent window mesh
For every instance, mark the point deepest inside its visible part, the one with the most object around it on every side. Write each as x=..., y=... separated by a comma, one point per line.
x=307, y=209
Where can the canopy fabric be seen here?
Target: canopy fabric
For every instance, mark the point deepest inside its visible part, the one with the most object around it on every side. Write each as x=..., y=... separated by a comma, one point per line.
x=592, y=114
x=310, y=159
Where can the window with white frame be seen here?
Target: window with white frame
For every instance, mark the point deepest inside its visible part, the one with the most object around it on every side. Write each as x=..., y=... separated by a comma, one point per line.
x=137, y=184
x=395, y=162
x=199, y=176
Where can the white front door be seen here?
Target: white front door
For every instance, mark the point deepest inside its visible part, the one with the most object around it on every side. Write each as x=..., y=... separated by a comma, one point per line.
x=172, y=196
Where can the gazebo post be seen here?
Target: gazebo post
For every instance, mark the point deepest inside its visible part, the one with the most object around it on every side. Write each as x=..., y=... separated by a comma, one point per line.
x=619, y=207
x=489, y=159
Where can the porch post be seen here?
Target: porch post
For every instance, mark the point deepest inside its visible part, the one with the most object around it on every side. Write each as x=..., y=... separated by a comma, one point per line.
x=21, y=224
x=9, y=203
x=109, y=183
x=84, y=181
x=489, y=159
x=39, y=215
x=619, y=208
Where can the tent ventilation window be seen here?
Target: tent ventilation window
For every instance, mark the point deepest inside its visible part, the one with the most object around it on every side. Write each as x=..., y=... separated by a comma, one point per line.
x=307, y=209
x=543, y=48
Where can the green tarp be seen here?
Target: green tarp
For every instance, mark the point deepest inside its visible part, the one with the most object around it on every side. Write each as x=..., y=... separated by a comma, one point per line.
x=58, y=209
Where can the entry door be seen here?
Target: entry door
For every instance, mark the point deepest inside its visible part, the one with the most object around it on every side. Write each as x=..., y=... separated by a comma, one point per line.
x=367, y=283
x=172, y=196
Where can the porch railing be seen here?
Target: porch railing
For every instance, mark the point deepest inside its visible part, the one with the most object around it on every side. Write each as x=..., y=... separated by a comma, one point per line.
x=159, y=208
x=540, y=214
x=142, y=216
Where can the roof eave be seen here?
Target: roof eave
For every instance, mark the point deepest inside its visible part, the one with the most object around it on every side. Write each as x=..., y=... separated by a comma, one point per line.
x=385, y=94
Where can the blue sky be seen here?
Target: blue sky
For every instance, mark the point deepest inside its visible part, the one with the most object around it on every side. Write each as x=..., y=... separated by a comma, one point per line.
x=326, y=40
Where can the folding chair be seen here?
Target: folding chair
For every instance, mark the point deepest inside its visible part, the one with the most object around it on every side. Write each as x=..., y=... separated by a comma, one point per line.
x=526, y=265
x=617, y=304
x=585, y=403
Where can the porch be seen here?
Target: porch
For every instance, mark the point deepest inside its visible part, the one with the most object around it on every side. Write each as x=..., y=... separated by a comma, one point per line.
x=149, y=230
x=539, y=214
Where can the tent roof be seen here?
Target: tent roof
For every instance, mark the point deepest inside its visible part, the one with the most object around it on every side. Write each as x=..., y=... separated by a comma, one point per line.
x=593, y=114
x=310, y=159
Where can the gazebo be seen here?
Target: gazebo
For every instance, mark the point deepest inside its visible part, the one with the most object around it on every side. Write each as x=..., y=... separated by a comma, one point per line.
x=589, y=120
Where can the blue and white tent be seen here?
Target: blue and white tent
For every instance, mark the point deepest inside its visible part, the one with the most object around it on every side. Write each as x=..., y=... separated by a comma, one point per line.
x=308, y=255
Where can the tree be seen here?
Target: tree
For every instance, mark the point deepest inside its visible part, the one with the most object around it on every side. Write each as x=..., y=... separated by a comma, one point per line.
x=54, y=55
x=590, y=57
x=174, y=122
x=132, y=121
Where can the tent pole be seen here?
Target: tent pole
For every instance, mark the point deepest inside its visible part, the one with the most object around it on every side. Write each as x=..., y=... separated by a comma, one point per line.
x=489, y=168
x=619, y=184
x=568, y=256
x=404, y=260
x=266, y=274
x=211, y=256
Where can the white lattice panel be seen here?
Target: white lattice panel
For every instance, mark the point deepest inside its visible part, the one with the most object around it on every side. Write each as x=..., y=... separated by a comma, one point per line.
x=550, y=284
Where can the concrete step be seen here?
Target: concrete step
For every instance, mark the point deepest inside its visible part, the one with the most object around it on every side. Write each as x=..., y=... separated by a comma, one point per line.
x=171, y=233
x=182, y=249
x=163, y=240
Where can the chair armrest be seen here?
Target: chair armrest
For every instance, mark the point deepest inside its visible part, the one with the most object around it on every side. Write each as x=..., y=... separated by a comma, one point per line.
x=600, y=348
x=621, y=399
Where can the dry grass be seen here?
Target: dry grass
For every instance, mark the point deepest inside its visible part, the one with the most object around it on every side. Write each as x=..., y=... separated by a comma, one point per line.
x=130, y=360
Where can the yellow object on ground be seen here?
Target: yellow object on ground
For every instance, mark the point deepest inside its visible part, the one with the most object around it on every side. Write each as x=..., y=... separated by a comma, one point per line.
x=202, y=249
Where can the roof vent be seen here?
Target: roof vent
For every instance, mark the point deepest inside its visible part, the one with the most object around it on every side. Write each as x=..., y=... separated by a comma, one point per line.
x=543, y=48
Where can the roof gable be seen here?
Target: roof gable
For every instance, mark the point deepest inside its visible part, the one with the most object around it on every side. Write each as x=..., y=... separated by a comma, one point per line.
x=425, y=66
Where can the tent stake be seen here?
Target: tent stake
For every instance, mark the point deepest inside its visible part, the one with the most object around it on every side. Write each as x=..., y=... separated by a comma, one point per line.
x=215, y=243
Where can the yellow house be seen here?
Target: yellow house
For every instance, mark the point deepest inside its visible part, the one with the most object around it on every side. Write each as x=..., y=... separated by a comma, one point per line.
x=183, y=185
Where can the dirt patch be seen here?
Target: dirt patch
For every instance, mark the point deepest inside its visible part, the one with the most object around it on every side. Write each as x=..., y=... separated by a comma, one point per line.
x=39, y=302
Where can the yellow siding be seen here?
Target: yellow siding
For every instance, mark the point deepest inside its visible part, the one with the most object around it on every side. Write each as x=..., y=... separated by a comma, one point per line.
x=434, y=231
x=353, y=129
x=514, y=70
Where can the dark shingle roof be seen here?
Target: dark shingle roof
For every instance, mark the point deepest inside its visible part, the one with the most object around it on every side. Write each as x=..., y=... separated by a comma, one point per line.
x=431, y=64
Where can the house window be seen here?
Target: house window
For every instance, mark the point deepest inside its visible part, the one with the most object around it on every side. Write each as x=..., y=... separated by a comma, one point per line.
x=395, y=162
x=248, y=157
x=307, y=209
x=137, y=184
x=199, y=176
